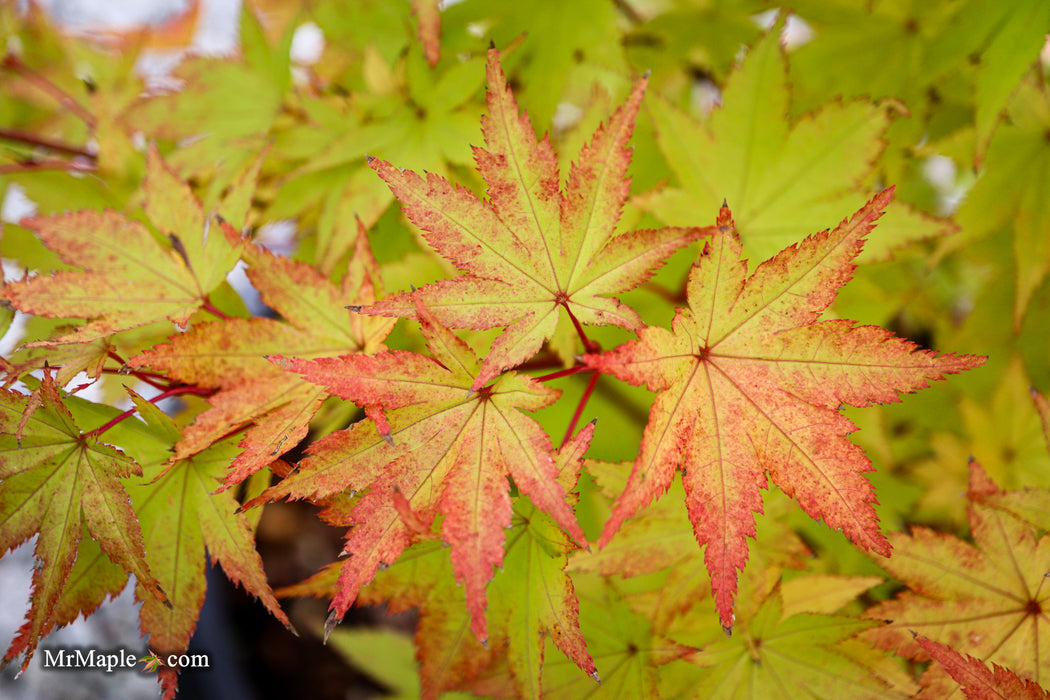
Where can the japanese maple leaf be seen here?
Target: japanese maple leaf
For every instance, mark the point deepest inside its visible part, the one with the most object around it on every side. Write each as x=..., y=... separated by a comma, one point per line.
x=61, y=483
x=977, y=680
x=1013, y=193
x=532, y=598
x=530, y=248
x=749, y=382
x=660, y=538
x=428, y=12
x=989, y=599
x=230, y=355
x=781, y=653
x=448, y=449
x=181, y=517
x=128, y=278
x=564, y=41
x=781, y=175
x=227, y=106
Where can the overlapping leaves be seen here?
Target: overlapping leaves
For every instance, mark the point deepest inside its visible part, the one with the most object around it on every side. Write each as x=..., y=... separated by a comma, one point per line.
x=531, y=249
x=443, y=448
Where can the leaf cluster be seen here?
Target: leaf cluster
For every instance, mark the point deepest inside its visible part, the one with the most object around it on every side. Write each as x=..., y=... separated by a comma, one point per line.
x=593, y=328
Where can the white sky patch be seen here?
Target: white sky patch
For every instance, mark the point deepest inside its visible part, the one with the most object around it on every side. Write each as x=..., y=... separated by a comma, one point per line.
x=307, y=44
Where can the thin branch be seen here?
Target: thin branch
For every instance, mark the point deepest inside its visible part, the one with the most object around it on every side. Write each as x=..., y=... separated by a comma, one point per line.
x=663, y=292
x=63, y=97
x=628, y=11
x=28, y=138
x=28, y=166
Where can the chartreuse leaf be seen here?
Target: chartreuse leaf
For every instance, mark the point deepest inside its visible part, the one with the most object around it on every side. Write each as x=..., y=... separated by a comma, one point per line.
x=531, y=250
x=57, y=481
x=688, y=35
x=228, y=104
x=779, y=655
x=382, y=653
x=977, y=680
x=127, y=278
x=533, y=595
x=989, y=599
x=918, y=43
x=1004, y=434
x=748, y=381
x=415, y=116
x=562, y=44
x=1018, y=31
x=781, y=178
x=1013, y=193
x=447, y=651
x=1029, y=504
x=443, y=448
x=230, y=355
x=182, y=516
x=659, y=541
x=628, y=648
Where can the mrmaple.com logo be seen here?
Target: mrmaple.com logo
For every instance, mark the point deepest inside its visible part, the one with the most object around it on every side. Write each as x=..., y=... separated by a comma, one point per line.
x=117, y=660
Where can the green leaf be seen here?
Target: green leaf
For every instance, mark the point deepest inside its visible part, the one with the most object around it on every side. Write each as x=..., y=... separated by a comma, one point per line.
x=781, y=178
x=53, y=480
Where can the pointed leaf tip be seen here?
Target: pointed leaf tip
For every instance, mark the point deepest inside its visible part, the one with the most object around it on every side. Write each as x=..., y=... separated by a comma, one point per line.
x=356, y=308
x=645, y=76
x=492, y=45
x=596, y=677
x=728, y=630
x=369, y=159
x=330, y=623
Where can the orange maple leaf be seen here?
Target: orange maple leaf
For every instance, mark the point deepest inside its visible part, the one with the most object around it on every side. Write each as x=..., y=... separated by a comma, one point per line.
x=748, y=382
x=531, y=249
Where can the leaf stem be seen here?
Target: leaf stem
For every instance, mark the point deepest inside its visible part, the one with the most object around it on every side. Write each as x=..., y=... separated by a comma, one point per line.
x=588, y=344
x=579, y=408
x=213, y=310
x=174, y=391
x=564, y=373
x=144, y=377
x=64, y=98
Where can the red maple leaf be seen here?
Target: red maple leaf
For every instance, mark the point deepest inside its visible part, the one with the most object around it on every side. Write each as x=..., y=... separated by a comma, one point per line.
x=447, y=449
x=977, y=680
x=749, y=382
x=531, y=249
